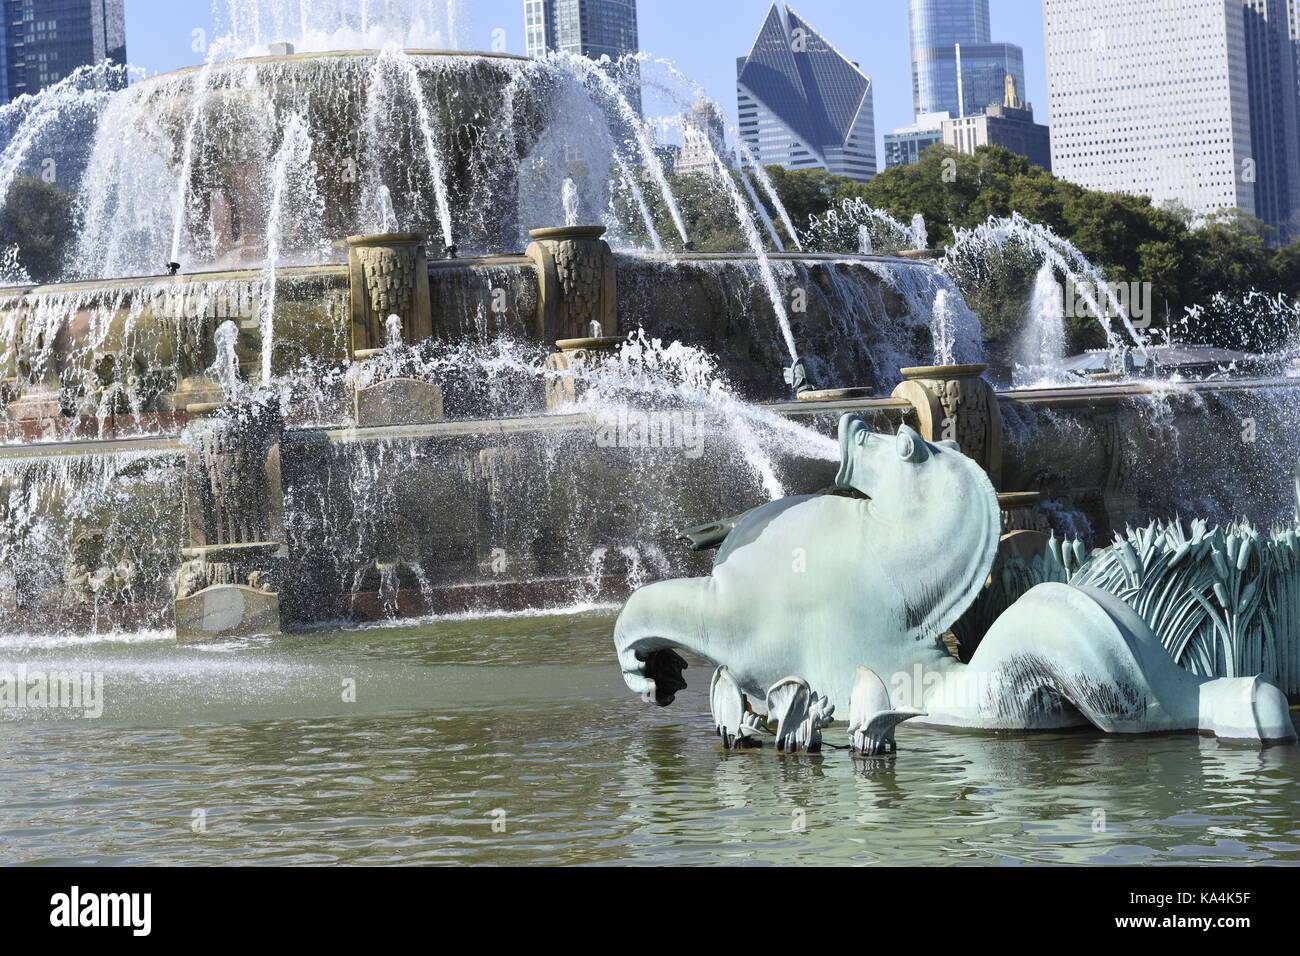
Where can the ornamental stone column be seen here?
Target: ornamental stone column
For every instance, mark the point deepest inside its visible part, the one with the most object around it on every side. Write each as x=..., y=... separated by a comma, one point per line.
x=388, y=279
x=388, y=274
x=577, y=283
x=954, y=402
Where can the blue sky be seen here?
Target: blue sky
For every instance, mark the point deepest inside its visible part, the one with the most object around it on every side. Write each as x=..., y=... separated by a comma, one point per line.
x=703, y=37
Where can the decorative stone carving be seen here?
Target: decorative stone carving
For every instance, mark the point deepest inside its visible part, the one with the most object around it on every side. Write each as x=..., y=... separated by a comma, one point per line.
x=1020, y=512
x=952, y=402
x=388, y=275
x=577, y=282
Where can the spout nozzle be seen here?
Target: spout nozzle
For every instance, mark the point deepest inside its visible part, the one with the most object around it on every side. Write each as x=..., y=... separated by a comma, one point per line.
x=796, y=376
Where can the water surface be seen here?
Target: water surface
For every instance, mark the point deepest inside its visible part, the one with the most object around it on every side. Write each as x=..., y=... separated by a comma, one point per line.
x=514, y=740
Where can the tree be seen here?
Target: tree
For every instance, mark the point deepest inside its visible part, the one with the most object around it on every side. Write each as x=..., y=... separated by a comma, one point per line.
x=38, y=219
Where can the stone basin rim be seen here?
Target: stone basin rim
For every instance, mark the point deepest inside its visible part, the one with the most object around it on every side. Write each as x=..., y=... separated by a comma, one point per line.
x=567, y=232
x=943, y=371
x=335, y=54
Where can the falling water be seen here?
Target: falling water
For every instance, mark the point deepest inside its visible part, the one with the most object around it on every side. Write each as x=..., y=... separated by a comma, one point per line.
x=385, y=215
x=225, y=370
x=762, y=212
x=640, y=130
x=864, y=240
x=313, y=26
x=697, y=95
x=292, y=170
x=920, y=238
x=30, y=118
x=202, y=87
x=942, y=329
x=628, y=182
x=432, y=154
x=842, y=227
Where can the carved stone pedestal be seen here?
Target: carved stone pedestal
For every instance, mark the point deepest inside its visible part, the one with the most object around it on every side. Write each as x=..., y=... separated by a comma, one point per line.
x=227, y=591
x=953, y=402
x=577, y=283
x=388, y=274
x=229, y=582
x=564, y=386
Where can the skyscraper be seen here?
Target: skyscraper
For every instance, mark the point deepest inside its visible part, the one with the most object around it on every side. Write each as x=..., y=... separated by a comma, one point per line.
x=703, y=139
x=1009, y=124
x=45, y=40
x=1191, y=101
x=1274, y=124
x=956, y=66
x=590, y=28
x=802, y=103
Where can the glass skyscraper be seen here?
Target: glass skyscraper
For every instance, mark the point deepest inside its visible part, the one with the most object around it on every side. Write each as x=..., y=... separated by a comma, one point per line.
x=956, y=66
x=803, y=104
x=45, y=40
x=590, y=28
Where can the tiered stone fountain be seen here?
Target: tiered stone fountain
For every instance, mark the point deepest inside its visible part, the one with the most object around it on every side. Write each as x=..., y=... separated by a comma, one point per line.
x=366, y=467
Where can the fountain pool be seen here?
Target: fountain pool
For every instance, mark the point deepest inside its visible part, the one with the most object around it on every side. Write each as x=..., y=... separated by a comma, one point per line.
x=531, y=719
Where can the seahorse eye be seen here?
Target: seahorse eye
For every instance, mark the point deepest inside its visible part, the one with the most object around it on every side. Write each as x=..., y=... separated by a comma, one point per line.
x=906, y=447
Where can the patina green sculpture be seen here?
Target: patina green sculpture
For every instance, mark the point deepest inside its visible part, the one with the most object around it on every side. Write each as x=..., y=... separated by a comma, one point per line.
x=816, y=586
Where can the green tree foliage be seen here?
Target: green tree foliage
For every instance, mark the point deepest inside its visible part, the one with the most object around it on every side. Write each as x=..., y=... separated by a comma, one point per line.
x=1129, y=237
x=38, y=219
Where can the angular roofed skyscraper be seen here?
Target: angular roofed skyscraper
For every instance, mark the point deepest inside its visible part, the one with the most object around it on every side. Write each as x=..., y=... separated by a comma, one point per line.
x=802, y=103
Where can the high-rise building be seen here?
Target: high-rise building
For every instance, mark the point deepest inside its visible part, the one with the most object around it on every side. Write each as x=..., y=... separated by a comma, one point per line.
x=956, y=66
x=590, y=28
x=1192, y=102
x=1009, y=124
x=1271, y=65
x=703, y=139
x=802, y=103
x=904, y=146
x=42, y=41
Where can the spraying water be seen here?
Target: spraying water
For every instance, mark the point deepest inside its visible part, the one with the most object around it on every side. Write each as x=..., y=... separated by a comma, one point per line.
x=1042, y=345
x=569, y=197
x=972, y=251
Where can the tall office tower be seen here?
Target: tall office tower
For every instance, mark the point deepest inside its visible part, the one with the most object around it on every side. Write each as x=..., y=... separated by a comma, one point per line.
x=803, y=104
x=1274, y=123
x=1186, y=101
x=45, y=40
x=956, y=67
x=590, y=28
x=703, y=139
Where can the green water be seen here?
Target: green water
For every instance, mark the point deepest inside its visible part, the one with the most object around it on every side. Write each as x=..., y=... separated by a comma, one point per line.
x=453, y=720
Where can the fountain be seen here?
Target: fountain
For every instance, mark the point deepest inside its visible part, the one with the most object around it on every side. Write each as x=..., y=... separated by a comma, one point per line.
x=427, y=303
